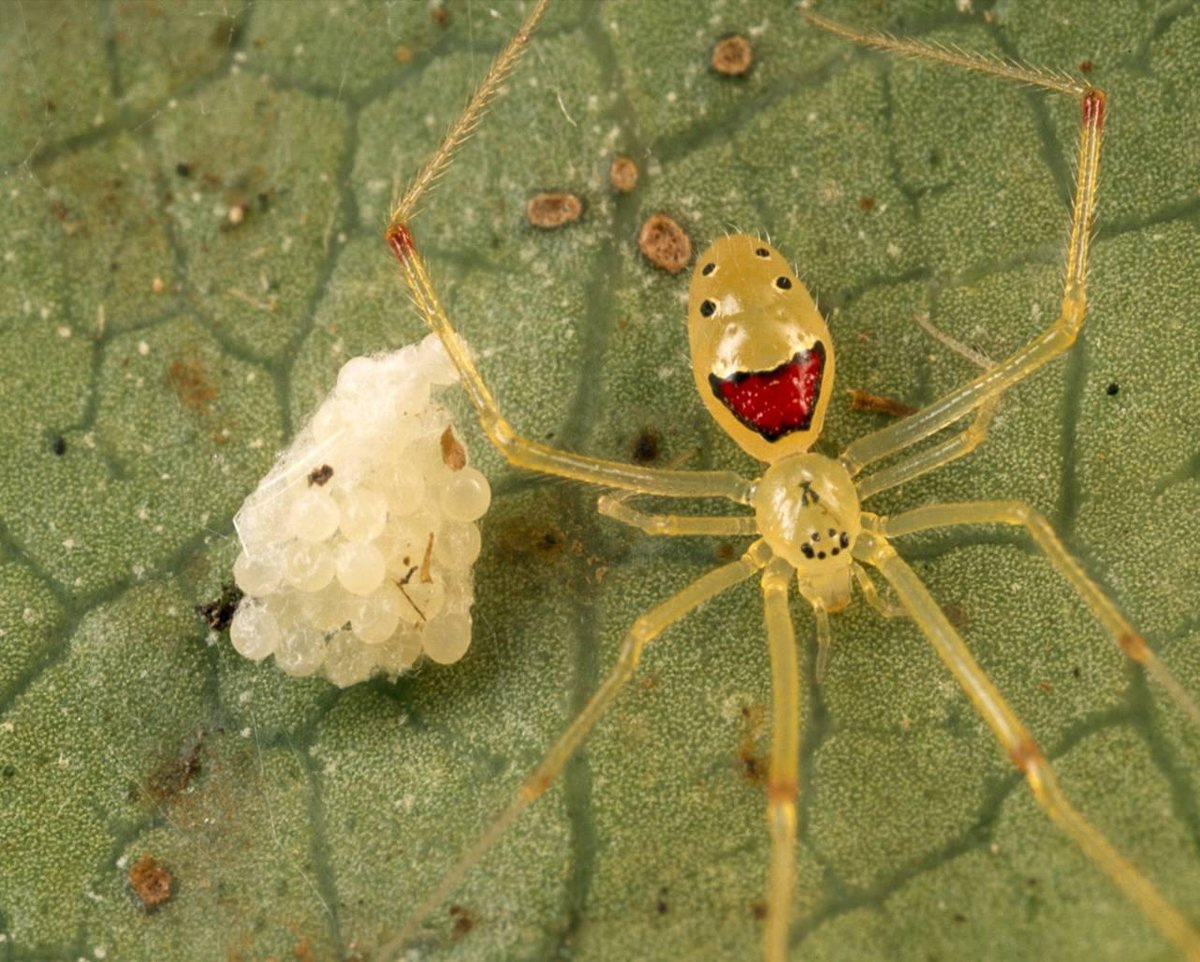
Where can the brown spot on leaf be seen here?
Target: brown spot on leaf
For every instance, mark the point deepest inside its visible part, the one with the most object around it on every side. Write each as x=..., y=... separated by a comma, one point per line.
x=623, y=174
x=665, y=244
x=463, y=922
x=866, y=401
x=553, y=209
x=647, y=446
x=191, y=384
x=732, y=56
x=866, y=203
x=753, y=764
x=151, y=882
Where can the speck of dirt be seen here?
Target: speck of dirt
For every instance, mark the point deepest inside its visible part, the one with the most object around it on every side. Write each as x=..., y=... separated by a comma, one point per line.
x=865, y=401
x=623, y=174
x=463, y=922
x=866, y=203
x=660, y=903
x=320, y=476
x=58, y=445
x=1113, y=389
x=665, y=244
x=959, y=917
x=151, y=881
x=758, y=910
x=1076, y=672
x=190, y=382
x=647, y=446
x=218, y=613
x=1086, y=65
x=732, y=56
x=454, y=455
x=440, y=15
x=183, y=170
x=724, y=551
x=552, y=209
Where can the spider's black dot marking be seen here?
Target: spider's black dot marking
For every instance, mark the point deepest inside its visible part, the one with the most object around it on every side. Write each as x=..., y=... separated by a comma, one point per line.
x=1112, y=389
x=832, y=532
x=820, y=555
x=806, y=550
x=708, y=308
x=836, y=551
x=708, y=268
x=783, y=283
x=816, y=536
x=59, y=445
x=762, y=252
x=844, y=541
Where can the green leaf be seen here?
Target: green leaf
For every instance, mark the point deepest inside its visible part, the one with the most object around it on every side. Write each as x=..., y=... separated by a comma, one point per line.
x=155, y=352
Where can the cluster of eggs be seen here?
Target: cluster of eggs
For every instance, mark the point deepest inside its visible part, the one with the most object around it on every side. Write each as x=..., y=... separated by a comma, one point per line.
x=358, y=547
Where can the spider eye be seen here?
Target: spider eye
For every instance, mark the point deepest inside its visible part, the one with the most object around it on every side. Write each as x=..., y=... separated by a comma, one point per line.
x=783, y=283
x=763, y=252
x=708, y=269
x=708, y=308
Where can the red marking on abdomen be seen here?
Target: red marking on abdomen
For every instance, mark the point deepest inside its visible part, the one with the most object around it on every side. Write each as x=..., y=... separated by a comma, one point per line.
x=400, y=241
x=777, y=402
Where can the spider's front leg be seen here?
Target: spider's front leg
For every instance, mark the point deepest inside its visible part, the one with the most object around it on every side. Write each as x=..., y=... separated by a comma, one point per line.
x=1062, y=333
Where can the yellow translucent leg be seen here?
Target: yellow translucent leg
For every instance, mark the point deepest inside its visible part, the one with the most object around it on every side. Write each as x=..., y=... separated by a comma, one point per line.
x=874, y=598
x=1023, y=751
x=1059, y=336
x=673, y=524
x=785, y=758
x=644, y=630
x=1019, y=514
x=931, y=458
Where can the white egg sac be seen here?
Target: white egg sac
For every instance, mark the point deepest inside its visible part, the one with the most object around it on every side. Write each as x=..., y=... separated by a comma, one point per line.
x=357, y=547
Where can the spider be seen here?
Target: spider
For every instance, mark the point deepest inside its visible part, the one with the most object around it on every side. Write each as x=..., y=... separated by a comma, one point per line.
x=764, y=362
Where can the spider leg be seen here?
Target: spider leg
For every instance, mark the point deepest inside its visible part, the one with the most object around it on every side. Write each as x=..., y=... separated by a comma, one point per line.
x=785, y=758
x=1063, y=332
x=674, y=524
x=885, y=607
x=1019, y=514
x=1023, y=751
x=644, y=630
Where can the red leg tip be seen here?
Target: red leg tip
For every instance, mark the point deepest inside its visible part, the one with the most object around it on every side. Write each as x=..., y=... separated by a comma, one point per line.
x=1094, y=104
x=400, y=241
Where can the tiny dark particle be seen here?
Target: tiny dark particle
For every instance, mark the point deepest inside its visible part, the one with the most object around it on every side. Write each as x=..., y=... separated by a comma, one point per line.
x=59, y=445
x=320, y=476
x=1112, y=389
x=646, y=446
x=183, y=170
x=217, y=614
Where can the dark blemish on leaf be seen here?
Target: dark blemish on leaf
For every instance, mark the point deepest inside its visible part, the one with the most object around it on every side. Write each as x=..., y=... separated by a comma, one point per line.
x=1076, y=672
x=646, y=446
x=758, y=910
x=454, y=455
x=866, y=401
x=956, y=615
x=623, y=174
x=660, y=903
x=320, y=476
x=1112, y=389
x=665, y=244
x=226, y=33
x=190, y=382
x=7, y=772
x=866, y=203
x=58, y=445
x=732, y=56
x=959, y=917
x=183, y=170
x=440, y=15
x=217, y=614
x=552, y=209
x=172, y=776
x=752, y=763
x=463, y=922
x=1086, y=65
x=151, y=882
x=724, y=551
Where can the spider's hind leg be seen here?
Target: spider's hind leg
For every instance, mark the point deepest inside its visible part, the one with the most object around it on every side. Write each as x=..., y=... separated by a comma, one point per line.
x=873, y=548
